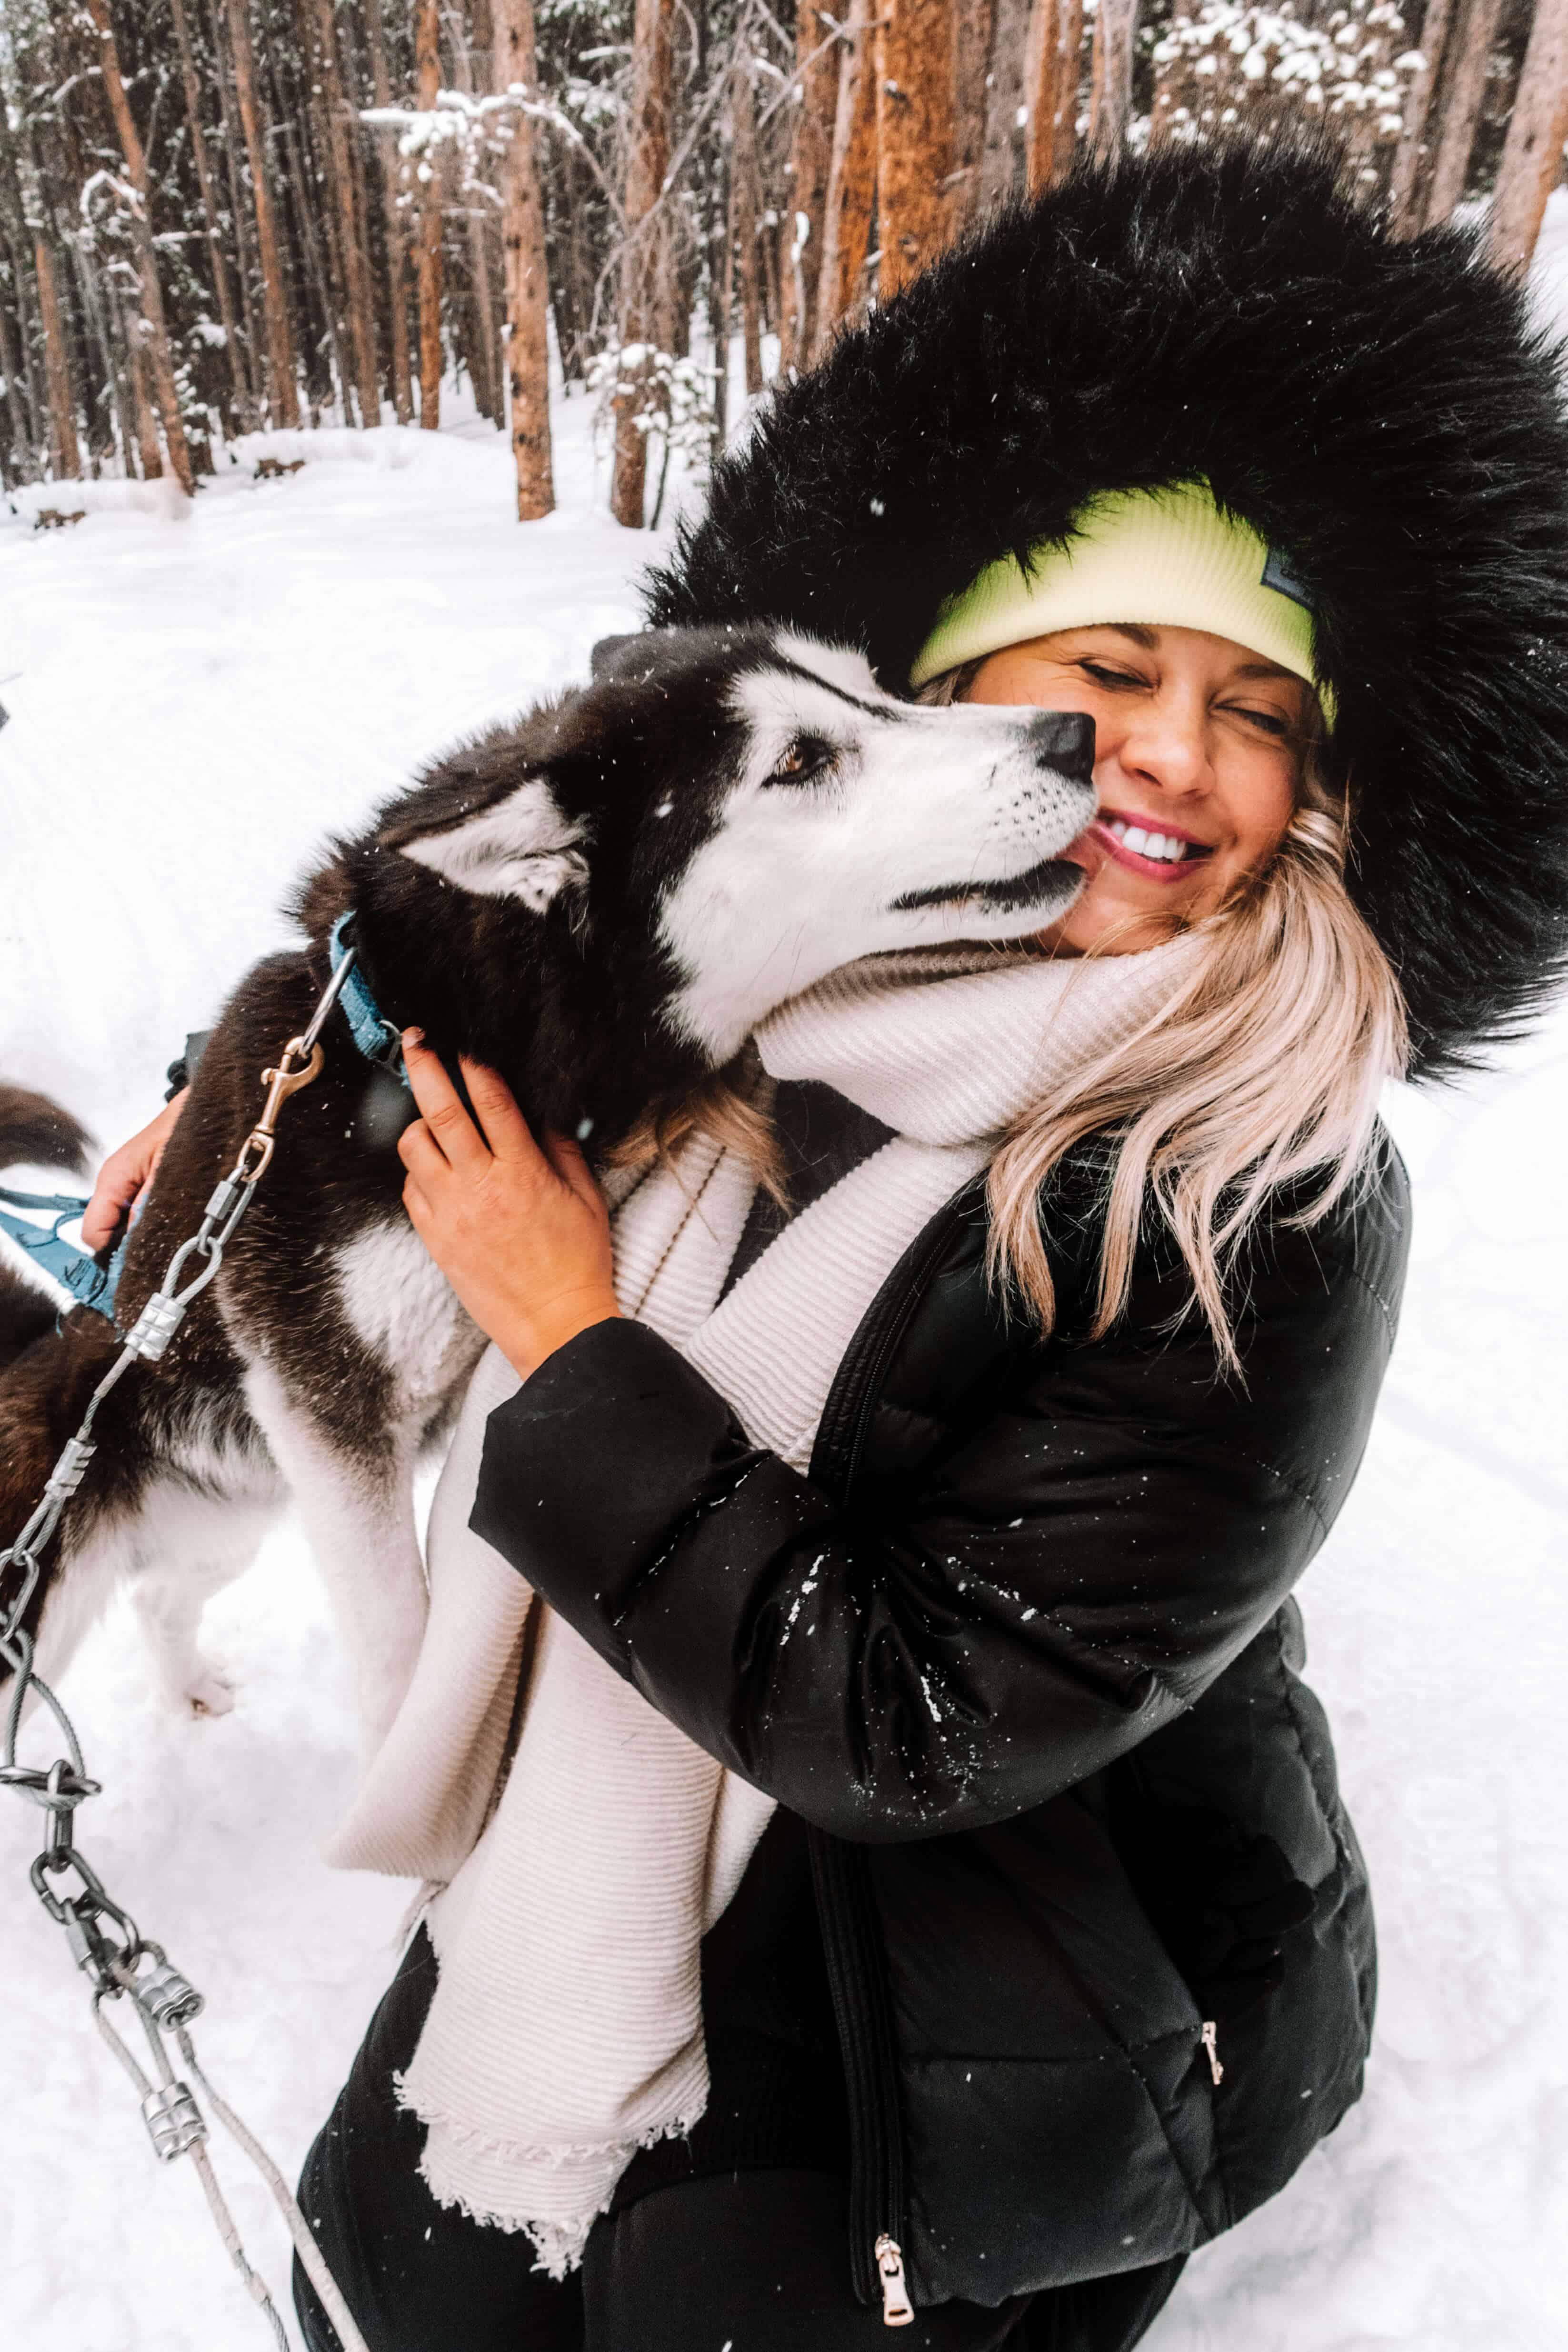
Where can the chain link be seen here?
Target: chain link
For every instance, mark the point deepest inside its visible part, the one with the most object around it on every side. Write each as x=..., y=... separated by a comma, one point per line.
x=102, y=1938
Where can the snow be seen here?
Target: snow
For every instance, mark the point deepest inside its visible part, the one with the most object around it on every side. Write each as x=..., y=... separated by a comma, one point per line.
x=194, y=706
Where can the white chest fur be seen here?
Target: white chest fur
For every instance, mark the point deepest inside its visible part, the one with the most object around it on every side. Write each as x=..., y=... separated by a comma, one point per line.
x=404, y=1310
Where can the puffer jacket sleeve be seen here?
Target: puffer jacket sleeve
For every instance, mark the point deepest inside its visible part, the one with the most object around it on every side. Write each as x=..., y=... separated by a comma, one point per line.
x=1084, y=1548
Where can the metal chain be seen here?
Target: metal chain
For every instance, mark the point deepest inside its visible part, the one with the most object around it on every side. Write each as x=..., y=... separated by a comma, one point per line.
x=104, y=1940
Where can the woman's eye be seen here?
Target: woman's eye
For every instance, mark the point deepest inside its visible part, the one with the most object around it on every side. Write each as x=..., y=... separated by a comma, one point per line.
x=1102, y=675
x=806, y=757
x=1269, y=721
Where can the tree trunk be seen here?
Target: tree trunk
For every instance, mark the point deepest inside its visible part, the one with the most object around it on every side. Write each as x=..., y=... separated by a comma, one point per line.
x=1404, y=208
x=115, y=431
x=1054, y=72
x=483, y=343
x=743, y=225
x=972, y=36
x=1068, y=82
x=1041, y=70
x=914, y=135
x=527, y=271
x=244, y=259
x=397, y=240
x=427, y=71
x=647, y=161
x=852, y=177
x=319, y=237
x=1111, y=106
x=488, y=395
x=811, y=155
x=65, y=452
x=242, y=408
x=24, y=457
x=24, y=395
x=283, y=396
x=146, y=422
x=339, y=125
x=160, y=359
x=1007, y=90
x=1458, y=105
x=1531, y=161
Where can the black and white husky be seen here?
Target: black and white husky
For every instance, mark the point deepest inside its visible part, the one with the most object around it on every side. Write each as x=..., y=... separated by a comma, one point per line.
x=601, y=901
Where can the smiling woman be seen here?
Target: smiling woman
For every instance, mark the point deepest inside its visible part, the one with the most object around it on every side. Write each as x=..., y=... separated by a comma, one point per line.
x=1200, y=758
x=1217, y=820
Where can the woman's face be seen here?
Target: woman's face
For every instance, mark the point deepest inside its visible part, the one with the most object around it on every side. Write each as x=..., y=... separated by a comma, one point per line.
x=1198, y=757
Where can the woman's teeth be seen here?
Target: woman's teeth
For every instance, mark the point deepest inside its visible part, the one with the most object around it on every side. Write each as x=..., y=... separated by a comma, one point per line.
x=1172, y=847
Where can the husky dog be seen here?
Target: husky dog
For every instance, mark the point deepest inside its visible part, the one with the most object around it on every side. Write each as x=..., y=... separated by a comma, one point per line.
x=601, y=901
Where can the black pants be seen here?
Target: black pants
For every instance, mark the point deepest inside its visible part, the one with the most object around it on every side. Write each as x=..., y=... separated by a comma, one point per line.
x=754, y=2262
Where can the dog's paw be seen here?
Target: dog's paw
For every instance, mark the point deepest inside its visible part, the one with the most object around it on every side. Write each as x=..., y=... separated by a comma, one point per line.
x=206, y=1692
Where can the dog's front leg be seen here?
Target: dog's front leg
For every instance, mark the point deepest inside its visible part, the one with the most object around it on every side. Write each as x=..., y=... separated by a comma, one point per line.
x=356, y=1500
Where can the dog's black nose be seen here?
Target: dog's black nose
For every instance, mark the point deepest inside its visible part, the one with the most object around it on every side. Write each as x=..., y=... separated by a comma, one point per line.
x=1064, y=740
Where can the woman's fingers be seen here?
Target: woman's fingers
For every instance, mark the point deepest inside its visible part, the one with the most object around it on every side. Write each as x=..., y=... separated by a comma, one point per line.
x=440, y=1104
x=422, y=1155
x=506, y=1130
x=566, y=1158
x=126, y=1175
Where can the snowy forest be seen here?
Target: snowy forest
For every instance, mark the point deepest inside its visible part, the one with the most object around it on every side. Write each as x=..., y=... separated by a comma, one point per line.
x=220, y=216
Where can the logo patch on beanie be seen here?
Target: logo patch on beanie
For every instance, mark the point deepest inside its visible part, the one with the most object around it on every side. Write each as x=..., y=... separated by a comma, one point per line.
x=1283, y=581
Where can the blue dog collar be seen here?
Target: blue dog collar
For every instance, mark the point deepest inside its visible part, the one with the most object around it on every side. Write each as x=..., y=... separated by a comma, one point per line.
x=373, y=1032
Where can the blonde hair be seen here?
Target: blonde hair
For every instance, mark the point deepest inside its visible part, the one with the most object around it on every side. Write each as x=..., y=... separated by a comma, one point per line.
x=1263, y=1069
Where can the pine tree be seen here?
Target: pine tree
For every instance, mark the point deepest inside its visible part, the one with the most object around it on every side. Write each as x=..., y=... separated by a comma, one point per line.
x=526, y=270
x=815, y=109
x=427, y=66
x=744, y=215
x=283, y=398
x=641, y=258
x=914, y=135
x=218, y=258
x=852, y=178
x=1111, y=104
x=340, y=126
x=152, y=324
x=393, y=224
x=1531, y=161
x=1457, y=109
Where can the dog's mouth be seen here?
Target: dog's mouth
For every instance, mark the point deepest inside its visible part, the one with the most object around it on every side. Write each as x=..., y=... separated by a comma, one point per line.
x=1049, y=880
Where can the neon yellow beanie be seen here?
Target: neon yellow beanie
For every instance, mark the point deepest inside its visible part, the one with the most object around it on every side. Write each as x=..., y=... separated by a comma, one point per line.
x=1152, y=558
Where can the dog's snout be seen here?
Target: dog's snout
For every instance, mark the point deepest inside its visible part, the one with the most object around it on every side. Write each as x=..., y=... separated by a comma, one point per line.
x=1064, y=740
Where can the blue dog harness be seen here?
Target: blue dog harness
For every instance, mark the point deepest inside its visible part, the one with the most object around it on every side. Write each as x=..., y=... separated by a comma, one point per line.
x=89, y=1284
x=93, y=1285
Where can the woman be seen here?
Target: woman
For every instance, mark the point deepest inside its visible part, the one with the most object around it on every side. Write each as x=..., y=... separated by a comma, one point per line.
x=957, y=1551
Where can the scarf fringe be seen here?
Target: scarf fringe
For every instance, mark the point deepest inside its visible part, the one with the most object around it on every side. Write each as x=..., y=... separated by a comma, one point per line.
x=560, y=2244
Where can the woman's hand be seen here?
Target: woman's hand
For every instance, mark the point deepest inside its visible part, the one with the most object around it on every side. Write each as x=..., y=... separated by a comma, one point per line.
x=126, y=1175
x=522, y=1234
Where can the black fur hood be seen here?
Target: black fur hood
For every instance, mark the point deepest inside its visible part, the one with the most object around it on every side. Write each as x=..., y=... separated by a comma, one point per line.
x=1381, y=413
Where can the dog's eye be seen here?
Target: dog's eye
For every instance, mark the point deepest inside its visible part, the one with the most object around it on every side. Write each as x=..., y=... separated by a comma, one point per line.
x=806, y=757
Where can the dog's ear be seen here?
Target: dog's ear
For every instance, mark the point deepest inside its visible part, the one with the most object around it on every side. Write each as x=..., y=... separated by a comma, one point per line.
x=523, y=847
x=608, y=655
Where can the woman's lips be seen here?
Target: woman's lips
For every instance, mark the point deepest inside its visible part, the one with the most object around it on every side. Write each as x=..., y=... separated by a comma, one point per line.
x=1155, y=869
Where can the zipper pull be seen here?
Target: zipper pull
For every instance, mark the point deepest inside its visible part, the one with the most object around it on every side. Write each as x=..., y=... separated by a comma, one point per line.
x=897, y=2311
x=1210, y=2035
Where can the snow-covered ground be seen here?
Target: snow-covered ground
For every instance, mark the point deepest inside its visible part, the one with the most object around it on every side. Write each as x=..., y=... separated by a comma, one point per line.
x=193, y=706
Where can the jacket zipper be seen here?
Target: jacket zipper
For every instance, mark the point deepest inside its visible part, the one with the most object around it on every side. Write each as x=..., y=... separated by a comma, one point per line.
x=1208, y=2034
x=897, y=2311
x=840, y=1873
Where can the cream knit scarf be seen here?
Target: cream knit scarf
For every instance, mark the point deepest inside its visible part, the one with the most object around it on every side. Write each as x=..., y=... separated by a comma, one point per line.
x=566, y=2027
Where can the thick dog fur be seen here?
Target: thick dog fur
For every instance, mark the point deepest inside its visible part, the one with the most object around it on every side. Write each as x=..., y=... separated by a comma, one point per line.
x=601, y=902
x=1381, y=410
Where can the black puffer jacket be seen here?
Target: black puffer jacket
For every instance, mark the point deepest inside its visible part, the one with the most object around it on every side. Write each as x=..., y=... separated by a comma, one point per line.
x=1021, y=1651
